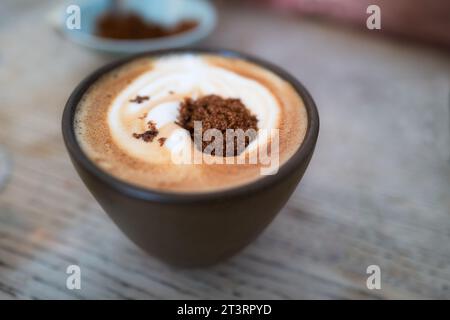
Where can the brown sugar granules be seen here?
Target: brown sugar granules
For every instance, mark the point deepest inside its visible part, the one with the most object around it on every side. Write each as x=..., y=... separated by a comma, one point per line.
x=161, y=141
x=149, y=134
x=129, y=25
x=140, y=99
x=216, y=112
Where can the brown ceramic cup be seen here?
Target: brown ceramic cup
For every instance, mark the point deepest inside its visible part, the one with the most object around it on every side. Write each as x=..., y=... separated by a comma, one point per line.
x=192, y=229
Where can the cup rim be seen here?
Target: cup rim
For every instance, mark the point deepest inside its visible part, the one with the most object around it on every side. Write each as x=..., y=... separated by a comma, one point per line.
x=135, y=191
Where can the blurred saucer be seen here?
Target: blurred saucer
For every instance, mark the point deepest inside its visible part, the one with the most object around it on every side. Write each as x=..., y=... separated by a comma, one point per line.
x=163, y=12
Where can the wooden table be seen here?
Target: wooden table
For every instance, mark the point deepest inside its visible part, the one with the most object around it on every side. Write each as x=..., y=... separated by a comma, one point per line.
x=377, y=191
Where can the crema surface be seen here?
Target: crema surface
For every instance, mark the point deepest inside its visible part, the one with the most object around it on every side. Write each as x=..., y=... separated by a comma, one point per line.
x=108, y=115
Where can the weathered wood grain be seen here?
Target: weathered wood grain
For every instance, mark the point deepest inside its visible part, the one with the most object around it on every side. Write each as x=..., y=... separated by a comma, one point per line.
x=377, y=190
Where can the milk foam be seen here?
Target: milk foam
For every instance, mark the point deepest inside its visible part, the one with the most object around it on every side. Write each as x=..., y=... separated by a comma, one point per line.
x=167, y=83
x=105, y=120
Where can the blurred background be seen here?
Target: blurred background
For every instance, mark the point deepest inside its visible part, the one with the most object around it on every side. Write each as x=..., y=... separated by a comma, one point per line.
x=377, y=191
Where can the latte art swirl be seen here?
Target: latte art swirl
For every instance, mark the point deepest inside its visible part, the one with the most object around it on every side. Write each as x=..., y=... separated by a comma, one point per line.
x=125, y=122
x=166, y=84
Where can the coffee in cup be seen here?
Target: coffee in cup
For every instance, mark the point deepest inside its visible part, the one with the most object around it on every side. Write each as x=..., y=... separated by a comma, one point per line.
x=184, y=194
x=135, y=120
